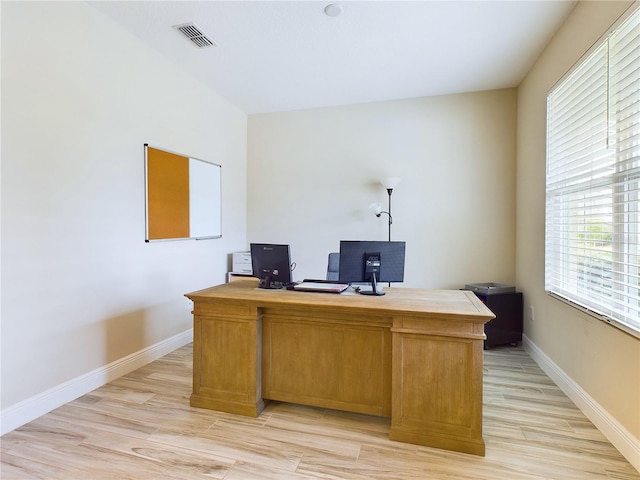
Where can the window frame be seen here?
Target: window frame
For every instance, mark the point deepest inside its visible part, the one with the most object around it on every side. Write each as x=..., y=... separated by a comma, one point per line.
x=618, y=240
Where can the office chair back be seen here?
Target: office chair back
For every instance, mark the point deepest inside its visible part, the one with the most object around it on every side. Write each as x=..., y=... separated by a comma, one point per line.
x=333, y=267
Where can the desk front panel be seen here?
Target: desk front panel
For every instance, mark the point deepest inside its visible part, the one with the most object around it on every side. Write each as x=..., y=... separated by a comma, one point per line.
x=327, y=359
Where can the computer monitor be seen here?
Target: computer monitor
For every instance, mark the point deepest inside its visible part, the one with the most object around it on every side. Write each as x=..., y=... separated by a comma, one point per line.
x=371, y=261
x=271, y=264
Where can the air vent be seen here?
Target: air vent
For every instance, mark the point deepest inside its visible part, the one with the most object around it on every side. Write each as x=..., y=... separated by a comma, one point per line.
x=195, y=35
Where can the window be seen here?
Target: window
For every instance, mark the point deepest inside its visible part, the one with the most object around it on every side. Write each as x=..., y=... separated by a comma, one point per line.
x=592, y=242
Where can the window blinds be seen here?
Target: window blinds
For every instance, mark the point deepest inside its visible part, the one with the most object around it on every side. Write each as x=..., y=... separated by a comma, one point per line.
x=592, y=255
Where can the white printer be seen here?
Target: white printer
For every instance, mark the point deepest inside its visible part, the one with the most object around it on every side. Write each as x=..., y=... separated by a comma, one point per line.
x=242, y=263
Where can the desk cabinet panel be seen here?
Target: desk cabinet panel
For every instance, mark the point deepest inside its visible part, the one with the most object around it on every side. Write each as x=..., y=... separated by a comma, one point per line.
x=226, y=355
x=437, y=391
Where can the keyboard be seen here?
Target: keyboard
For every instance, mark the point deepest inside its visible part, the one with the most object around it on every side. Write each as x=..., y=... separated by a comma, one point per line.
x=322, y=286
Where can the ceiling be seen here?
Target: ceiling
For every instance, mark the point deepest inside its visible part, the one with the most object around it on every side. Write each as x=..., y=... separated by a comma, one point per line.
x=289, y=55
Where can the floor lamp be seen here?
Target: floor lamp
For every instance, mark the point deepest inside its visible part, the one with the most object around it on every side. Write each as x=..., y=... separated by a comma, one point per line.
x=389, y=183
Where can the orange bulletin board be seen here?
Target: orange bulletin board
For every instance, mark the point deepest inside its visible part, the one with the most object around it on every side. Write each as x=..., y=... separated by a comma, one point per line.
x=183, y=196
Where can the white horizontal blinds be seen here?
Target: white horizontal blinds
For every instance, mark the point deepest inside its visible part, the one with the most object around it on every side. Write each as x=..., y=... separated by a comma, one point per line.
x=578, y=196
x=624, y=131
x=593, y=174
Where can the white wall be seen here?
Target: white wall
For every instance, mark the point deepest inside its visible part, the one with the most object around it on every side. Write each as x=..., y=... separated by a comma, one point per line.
x=80, y=287
x=312, y=175
x=602, y=361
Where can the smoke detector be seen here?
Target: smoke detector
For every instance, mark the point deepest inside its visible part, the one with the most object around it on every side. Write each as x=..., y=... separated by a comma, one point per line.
x=333, y=10
x=195, y=35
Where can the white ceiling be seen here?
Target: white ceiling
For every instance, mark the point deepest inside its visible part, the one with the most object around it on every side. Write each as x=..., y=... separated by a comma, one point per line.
x=288, y=55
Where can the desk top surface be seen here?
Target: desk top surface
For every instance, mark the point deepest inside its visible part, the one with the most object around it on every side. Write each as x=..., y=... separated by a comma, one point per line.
x=461, y=304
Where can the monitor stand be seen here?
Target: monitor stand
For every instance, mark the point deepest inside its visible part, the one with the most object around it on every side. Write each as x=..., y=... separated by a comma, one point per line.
x=269, y=284
x=374, y=288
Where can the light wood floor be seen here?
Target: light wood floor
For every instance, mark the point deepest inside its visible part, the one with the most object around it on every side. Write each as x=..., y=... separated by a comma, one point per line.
x=142, y=427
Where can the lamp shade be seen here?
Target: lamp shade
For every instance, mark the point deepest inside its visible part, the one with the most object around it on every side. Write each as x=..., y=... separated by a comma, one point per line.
x=376, y=207
x=390, y=182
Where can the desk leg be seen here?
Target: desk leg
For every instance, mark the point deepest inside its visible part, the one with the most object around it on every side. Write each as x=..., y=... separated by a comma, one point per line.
x=227, y=360
x=437, y=387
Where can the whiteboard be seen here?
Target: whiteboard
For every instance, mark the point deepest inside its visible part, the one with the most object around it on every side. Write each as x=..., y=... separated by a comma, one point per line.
x=204, y=199
x=183, y=196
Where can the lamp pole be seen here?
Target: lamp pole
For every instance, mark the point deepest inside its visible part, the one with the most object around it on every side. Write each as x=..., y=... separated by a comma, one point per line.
x=390, y=183
x=389, y=192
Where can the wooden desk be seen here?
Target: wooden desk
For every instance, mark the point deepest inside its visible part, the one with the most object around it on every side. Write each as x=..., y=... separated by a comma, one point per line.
x=413, y=355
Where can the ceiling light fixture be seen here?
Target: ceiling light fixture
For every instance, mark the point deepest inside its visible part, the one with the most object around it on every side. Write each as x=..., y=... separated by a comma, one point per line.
x=333, y=10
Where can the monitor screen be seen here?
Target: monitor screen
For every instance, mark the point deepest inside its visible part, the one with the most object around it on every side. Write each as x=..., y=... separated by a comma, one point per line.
x=271, y=264
x=361, y=259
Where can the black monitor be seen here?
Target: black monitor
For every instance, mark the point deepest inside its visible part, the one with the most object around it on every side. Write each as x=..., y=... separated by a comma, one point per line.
x=271, y=264
x=371, y=261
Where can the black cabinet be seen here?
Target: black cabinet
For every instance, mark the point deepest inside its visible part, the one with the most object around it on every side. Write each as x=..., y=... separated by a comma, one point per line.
x=506, y=328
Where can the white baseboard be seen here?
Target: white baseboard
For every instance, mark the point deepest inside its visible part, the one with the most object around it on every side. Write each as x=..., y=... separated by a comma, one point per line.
x=23, y=412
x=620, y=437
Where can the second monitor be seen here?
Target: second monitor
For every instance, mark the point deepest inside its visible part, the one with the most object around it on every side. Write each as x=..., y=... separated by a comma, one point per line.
x=371, y=261
x=271, y=263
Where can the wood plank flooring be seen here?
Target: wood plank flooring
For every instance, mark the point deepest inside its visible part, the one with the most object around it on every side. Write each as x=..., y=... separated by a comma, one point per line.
x=141, y=427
